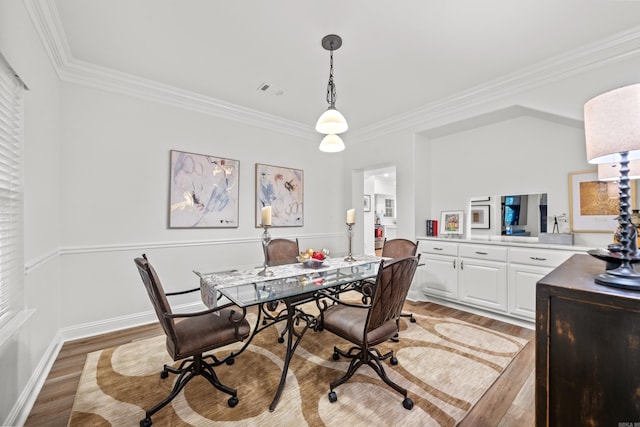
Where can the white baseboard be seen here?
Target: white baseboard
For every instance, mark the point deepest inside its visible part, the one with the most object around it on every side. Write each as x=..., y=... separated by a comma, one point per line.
x=22, y=408
x=529, y=324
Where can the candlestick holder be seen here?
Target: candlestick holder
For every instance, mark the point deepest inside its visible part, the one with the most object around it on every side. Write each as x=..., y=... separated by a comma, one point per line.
x=350, y=258
x=266, y=239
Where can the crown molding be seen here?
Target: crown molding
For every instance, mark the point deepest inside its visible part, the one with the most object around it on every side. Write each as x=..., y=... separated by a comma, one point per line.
x=48, y=25
x=613, y=49
x=87, y=74
x=47, y=22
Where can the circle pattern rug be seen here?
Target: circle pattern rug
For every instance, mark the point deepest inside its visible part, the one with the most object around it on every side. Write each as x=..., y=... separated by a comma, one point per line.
x=445, y=364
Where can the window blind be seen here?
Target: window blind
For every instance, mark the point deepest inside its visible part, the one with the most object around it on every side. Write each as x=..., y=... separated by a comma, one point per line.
x=11, y=201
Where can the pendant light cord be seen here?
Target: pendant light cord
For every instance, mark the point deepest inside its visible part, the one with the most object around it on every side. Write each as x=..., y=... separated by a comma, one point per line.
x=331, y=87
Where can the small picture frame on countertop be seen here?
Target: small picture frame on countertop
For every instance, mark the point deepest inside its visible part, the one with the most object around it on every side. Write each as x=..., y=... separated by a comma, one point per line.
x=451, y=222
x=479, y=216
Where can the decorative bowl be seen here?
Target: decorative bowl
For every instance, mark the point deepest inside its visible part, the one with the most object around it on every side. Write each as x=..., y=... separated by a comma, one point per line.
x=312, y=262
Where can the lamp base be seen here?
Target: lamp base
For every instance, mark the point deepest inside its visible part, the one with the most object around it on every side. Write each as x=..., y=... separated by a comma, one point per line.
x=630, y=281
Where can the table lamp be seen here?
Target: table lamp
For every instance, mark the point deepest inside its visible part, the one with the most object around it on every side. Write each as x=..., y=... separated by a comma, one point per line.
x=612, y=134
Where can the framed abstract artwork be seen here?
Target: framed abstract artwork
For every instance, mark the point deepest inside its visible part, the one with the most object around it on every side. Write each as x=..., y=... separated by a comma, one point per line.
x=283, y=189
x=203, y=191
x=452, y=222
x=594, y=205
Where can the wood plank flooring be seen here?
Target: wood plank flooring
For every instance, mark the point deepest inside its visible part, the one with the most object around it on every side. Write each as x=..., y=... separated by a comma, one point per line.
x=509, y=402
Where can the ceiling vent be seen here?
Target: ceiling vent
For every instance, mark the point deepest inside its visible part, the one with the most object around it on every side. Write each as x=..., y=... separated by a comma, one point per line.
x=268, y=89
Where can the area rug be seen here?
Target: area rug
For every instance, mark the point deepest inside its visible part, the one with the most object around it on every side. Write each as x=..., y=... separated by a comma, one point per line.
x=446, y=365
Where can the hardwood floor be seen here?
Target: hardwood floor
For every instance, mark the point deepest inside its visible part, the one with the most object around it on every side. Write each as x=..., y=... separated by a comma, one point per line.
x=509, y=402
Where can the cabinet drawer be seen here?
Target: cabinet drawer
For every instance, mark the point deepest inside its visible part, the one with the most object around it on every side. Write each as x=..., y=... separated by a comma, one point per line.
x=543, y=257
x=493, y=253
x=440, y=248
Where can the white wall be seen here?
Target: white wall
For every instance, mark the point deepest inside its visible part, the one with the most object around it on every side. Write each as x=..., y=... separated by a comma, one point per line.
x=115, y=193
x=25, y=360
x=525, y=155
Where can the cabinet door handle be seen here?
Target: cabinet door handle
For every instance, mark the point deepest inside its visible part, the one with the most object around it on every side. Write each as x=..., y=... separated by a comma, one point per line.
x=438, y=249
x=482, y=253
x=536, y=258
x=454, y=264
x=461, y=265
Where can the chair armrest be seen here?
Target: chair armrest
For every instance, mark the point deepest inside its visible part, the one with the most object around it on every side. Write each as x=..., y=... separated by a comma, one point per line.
x=322, y=296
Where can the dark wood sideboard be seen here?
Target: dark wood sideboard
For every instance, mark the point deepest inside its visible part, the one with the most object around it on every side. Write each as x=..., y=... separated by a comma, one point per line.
x=587, y=349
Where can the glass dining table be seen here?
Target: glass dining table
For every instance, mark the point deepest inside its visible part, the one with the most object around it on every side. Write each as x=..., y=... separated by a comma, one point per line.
x=290, y=285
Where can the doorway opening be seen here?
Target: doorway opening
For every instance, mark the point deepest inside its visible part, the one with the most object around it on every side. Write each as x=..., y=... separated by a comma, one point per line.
x=381, y=213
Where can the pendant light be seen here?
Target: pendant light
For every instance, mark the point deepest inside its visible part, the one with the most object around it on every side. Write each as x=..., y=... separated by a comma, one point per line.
x=331, y=122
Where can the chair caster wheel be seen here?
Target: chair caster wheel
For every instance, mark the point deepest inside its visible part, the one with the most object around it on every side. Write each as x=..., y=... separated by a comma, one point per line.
x=230, y=361
x=407, y=403
x=412, y=319
x=146, y=422
x=163, y=375
x=233, y=401
x=336, y=356
x=334, y=397
x=394, y=361
x=280, y=340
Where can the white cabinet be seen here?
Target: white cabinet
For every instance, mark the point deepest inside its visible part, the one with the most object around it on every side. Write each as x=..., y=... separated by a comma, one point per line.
x=500, y=278
x=522, y=289
x=526, y=267
x=482, y=276
x=439, y=275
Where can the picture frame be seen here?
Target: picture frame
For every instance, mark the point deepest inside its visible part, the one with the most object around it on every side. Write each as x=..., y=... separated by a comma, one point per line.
x=594, y=205
x=203, y=191
x=367, y=203
x=451, y=222
x=282, y=188
x=479, y=216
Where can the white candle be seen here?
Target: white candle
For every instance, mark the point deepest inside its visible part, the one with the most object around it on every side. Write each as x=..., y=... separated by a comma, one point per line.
x=351, y=216
x=266, y=215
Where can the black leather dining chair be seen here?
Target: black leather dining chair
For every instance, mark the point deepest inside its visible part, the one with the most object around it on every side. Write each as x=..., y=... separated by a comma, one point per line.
x=367, y=325
x=189, y=335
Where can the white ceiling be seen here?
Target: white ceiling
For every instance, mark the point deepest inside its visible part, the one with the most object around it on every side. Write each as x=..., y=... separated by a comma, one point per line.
x=396, y=56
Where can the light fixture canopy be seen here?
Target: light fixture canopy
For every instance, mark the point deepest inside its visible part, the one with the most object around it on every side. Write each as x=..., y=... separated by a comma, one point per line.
x=331, y=144
x=331, y=122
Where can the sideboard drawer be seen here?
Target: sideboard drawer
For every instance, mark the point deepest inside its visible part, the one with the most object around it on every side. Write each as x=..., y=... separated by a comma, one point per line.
x=542, y=257
x=440, y=248
x=492, y=253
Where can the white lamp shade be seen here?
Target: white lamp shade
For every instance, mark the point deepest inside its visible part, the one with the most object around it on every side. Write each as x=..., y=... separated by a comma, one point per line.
x=331, y=144
x=611, y=171
x=612, y=125
x=331, y=122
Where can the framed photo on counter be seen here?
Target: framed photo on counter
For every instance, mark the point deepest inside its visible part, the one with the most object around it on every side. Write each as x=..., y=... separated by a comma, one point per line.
x=452, y=222
x=480, y=216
